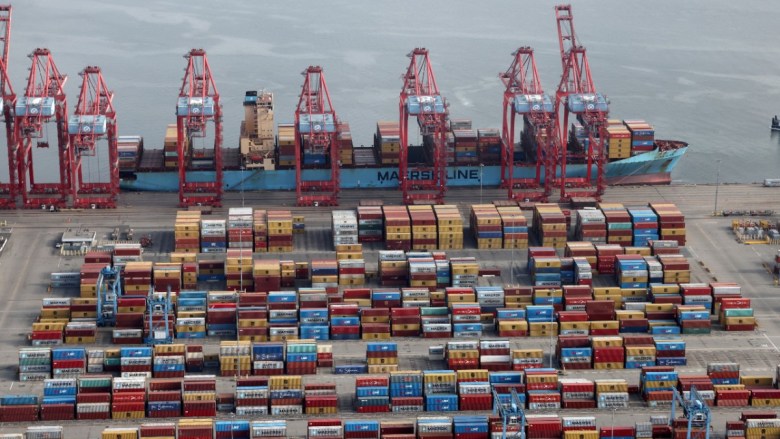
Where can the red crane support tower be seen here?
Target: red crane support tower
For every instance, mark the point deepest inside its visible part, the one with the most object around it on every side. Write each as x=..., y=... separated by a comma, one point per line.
x=578, y=95
x=197, y=105
x=44, y=99
x=94, y=120
x=523, y=95
x=9, y=190
x=420, y=98
x=316, y=137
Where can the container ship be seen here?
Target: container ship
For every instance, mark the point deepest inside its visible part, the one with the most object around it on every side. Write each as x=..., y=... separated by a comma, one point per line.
x=265, y=157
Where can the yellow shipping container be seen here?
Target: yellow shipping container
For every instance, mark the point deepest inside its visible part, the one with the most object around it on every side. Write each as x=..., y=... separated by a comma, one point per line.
x=581, y=434
x=382, y=368
x=603, y=342
x=473, y=375
x=119, y=432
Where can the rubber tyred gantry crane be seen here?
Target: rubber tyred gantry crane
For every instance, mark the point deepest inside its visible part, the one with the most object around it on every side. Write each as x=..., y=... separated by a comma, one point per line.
x=197, y=105
x=577, y=95
x=316, y=140
x=94, y=119
x=9, y=190
x=420, y=98
x=44, y=99
x=524, y=96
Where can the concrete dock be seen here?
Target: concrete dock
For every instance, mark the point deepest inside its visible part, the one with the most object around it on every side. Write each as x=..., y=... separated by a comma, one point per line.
x=715, y=255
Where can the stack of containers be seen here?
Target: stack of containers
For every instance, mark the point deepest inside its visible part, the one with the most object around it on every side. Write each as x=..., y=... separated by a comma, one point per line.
x=440, y=390
x=618, y=141
x=344, y=141
x=301, y=357
x=544, y=266
x=612, y=394
x=406, y=391
x=494, y=355
x=169, y=361
x=137, y=278
x=511, y=322
x=381, y=357
x=191, y=314
x=489, y=145
x=422, y=272
x=693, y=319
x=591, y=226
x=645, y=224
x=577, y=393
x=657, y=384
x=542, y=389
x=320, y=399
x=388, y=142
x=238, y=269
x=398, y=228
x=164, y=398
x=268, y=358
x=642, y=136
x=574, y=352
x=93, y=400
x=443, y=272
x=80, y=332
x=608, y=352
x=313, y=321
x=434, y=427
x=736, y=314
x=372, y=394
x=449, y=224
x=631, y=271
x=549, y=225
x=671, y=222
x=213, y=236
x=676, y=269
x=523, y=359
x=640, y=351
x=370, y=223
x=286, y=143
x=470, y=426
x=486, y=226
x=194, y=429
x=541, y=320
x=344, y=321
x=266, y=275
x=240, y=227
x=462, y=355
x=465, y=316
x=514, y=227
x=619, y=230
x=670, y=351
x=583, y=272
x=124, y=253
x=345, y=227
x=436, y=322
x=89, y=274
x=324, y=273
x=405, y=322
x=235, y=358
x=393, y=268
x=136, y=362
x=464, y=272
x=465, y=146
x=490, y=299
x=130, y=404
x=260, y=230
x=34, y=364
x=199, y=396
x=167, y=276
x=282, y=315
x=361, y=429
x=187, y=232
x=68, y=362
x=424, y=231
x=286, y=393
x=59, y=398
x=606, y=257
x=280, y=229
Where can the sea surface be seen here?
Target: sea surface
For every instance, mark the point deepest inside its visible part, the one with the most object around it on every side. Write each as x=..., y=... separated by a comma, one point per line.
x=703, y=71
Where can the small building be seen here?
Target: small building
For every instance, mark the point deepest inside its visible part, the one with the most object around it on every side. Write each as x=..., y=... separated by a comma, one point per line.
x=78, y=240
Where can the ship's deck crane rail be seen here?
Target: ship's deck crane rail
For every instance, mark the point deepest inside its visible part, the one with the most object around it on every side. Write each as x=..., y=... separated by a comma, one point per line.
x=511, y=414
x=695, y=410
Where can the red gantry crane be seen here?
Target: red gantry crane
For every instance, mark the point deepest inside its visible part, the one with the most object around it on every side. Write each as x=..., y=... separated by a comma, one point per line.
x=577, y=95
x=9, y=190
x=44, y=99
x=94, y=120
x=420, y=98
x=524, y=96
x=197, y=105
x=316, y=140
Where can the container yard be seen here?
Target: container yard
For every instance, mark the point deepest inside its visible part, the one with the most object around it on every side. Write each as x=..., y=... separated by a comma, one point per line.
x=677, y=307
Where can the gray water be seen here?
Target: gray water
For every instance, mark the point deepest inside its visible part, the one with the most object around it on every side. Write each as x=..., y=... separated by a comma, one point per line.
x=703, y=71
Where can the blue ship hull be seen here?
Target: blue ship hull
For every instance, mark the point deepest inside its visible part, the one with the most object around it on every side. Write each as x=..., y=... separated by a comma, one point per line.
x=652, y=167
